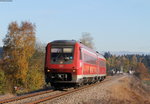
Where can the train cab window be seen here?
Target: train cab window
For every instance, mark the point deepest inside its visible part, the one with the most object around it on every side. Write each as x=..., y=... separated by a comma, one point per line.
x=61, y=55
x=56, y=50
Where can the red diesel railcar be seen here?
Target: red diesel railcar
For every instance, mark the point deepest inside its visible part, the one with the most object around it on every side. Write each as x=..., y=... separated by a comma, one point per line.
x=70, y=63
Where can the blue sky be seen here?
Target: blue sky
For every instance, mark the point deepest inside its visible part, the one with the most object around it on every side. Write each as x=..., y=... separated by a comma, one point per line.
x=115, y=25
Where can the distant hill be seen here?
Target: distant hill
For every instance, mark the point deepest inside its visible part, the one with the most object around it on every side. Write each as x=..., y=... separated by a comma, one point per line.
x=1, y=51
x=128, y=53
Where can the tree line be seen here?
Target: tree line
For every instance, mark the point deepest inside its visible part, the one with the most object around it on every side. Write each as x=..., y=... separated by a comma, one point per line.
x=139, y=64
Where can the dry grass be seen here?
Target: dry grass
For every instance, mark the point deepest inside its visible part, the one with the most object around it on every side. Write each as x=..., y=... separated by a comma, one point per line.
x=129, y=90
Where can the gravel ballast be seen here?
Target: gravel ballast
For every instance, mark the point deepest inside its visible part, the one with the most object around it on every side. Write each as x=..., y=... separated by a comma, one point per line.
x=109, y=92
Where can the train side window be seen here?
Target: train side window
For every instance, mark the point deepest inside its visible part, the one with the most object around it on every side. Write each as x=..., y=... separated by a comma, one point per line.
x=89, y=59
x=102, y=63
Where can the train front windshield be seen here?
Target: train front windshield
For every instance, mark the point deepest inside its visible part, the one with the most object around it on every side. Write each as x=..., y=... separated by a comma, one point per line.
x=62, y=55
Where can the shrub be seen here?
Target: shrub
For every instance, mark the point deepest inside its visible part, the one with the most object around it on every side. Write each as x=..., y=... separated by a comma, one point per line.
x=2, y=81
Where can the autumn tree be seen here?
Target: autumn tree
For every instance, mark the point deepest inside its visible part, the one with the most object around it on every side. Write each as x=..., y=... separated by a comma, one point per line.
x=87, y=40
x=141, y=71
x=19, y=46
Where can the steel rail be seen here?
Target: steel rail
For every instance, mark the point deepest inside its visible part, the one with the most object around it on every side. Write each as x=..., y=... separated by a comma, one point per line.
x=24, y=96
x=65, y=93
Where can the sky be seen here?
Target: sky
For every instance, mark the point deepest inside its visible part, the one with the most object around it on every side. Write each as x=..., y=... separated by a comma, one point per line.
x=115, y=25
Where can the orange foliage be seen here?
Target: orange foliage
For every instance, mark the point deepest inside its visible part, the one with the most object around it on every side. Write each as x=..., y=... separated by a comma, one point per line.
x=142, y=71
x=19, y=46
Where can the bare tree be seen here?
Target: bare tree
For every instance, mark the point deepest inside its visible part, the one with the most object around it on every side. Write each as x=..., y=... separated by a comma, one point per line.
x=87, y=40
x=39, y=46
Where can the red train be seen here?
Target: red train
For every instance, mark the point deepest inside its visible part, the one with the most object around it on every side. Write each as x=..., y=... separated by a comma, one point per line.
x=69, y=63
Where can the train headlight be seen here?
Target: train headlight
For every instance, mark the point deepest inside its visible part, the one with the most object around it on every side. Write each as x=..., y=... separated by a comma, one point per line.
x=48, y=70
x=73, y=70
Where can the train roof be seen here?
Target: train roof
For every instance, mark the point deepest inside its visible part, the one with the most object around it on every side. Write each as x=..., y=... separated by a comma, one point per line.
x=101, y=56
x=72, y=42
x=63, y=41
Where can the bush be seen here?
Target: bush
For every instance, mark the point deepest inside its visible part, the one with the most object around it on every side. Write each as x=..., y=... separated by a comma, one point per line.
x=35, y=77
x=2, y=81
x=35, y=80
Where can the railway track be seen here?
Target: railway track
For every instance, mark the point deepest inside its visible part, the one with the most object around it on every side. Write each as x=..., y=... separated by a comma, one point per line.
x=48, y=97
x=24, y=96
x=66, y=93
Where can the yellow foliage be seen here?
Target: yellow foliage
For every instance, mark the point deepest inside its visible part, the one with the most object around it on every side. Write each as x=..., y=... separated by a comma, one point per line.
x=35, y=79
x=19, y=46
